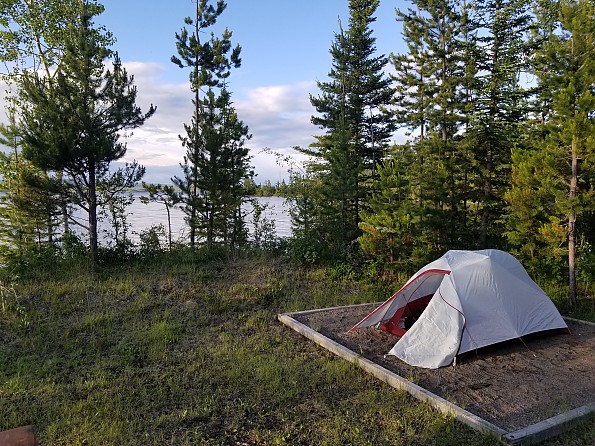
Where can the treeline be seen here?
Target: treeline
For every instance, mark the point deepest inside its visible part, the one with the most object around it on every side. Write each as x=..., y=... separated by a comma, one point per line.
x=496, y=98
x=266, y=189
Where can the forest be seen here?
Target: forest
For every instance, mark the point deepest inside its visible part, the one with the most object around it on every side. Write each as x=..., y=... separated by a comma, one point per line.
x=496, y=97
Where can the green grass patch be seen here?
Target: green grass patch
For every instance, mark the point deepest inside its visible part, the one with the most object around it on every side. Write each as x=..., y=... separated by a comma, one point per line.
x=188, y=351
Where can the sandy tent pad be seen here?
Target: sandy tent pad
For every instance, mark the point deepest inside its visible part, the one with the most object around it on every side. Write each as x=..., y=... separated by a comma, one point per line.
x=513, y=385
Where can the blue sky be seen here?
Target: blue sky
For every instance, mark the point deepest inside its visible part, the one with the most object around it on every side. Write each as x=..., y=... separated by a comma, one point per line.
x=285, y=50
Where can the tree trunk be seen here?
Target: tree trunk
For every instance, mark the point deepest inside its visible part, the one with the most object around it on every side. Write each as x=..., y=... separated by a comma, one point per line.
x=487, y=193
x=196, y=141
x=168, y=225
x=572, y=213
x=211, y=225
x=571, y=227
x=571, y=260
x=493, y=116
x=93, y=213
x=193, y=218
x=357, y=202
x=63, y=204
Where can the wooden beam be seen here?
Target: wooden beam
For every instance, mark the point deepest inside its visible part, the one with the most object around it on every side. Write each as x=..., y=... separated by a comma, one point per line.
x=393, y=379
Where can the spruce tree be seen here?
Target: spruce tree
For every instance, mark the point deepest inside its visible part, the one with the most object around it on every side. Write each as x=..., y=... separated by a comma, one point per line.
x=341, y=185
x=338, y=163
x=352, y=110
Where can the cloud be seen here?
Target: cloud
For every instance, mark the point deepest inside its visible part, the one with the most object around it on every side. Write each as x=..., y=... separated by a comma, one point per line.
x=278, y=117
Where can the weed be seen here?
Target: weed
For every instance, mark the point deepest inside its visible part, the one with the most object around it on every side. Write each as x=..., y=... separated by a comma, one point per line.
x=11, y=306
x=413, y=377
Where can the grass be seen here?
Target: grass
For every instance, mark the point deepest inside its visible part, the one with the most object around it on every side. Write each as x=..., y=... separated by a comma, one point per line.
x=583, y=309
x=188, y=351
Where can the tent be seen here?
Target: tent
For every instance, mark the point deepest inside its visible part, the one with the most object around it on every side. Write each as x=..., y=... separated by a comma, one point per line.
x=463, y=301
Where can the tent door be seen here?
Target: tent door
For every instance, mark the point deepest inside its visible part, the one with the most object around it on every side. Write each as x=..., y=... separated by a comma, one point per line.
x=406, y=316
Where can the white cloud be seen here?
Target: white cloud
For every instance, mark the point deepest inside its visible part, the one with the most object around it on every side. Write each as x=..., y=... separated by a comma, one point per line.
x=278, y=117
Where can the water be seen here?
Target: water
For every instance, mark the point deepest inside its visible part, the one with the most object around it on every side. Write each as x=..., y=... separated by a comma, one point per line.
x=143, y=216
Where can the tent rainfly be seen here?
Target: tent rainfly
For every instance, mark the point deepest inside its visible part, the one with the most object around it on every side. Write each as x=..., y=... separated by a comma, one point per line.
x=463, y=301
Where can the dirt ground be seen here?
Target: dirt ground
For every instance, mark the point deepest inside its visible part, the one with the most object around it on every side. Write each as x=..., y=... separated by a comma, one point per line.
x=513, y=384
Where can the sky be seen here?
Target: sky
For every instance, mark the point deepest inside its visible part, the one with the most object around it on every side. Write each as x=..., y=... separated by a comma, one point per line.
x=285, y=50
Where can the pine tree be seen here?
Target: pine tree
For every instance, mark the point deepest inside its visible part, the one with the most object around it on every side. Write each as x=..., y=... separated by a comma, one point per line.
x=468, y=93
x=429, y=79
x=459, y=96
x=536, y=236
x=236, y=159
x=304, y=197
x=71, y=122
x=500, y=106
x=33, y=38
x=210, y=64
x=166, y=195
x=391, y=230
x=221, y=165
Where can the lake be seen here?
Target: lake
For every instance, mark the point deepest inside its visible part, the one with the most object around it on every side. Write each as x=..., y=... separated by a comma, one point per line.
x=142, y=216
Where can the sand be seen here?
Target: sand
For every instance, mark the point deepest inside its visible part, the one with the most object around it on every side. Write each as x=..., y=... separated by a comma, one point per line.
x=512, y=385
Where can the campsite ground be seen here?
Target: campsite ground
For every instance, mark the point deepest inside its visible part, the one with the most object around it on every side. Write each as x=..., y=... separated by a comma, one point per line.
x=512, y=385
x=185, y=349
